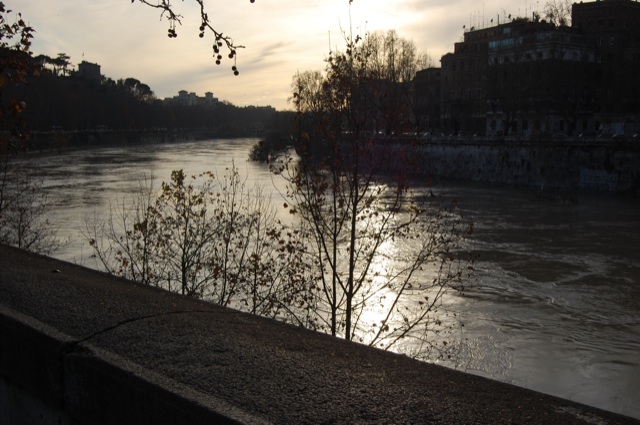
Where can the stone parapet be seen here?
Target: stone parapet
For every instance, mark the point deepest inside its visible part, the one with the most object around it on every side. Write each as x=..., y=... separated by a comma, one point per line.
x=81, y=347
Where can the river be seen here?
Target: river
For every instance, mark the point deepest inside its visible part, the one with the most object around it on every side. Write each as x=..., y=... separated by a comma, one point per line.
x=554, y=303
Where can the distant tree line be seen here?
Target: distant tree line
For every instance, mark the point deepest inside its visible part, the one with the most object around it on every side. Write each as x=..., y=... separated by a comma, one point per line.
x=64, y=101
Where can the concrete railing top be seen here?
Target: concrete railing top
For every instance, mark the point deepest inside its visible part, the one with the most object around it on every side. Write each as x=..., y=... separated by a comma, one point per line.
x=102, y=350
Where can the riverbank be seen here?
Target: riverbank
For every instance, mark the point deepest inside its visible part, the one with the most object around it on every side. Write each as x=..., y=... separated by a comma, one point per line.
x=551, y=166
x=85, y=347
x=554, y=168
x=60, y=140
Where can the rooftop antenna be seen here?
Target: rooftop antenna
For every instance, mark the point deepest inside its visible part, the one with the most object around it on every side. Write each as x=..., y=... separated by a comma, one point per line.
x=483, y=21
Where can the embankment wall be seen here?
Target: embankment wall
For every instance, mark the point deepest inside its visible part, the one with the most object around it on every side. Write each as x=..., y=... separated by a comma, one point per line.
x=606, y=166
x=81, y=347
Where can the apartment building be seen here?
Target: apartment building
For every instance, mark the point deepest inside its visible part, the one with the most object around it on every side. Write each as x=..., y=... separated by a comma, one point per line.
x=527, y=77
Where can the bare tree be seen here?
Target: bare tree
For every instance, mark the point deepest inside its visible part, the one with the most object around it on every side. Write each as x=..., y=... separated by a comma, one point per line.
x=124, y=244
x=558, y=12
x=208, y=237
x=390, y=65
x=23, y=213
x=358, y=211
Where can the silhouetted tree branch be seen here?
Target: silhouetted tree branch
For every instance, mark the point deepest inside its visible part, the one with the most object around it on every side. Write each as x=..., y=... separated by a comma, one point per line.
x=15, y=66
x=169, y=11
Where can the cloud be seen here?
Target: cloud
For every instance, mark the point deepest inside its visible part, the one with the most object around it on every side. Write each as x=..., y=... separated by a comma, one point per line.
x=281, y=38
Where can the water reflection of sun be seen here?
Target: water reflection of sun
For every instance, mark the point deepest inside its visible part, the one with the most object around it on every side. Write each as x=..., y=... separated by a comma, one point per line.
x=377, y=297
x=394, y=296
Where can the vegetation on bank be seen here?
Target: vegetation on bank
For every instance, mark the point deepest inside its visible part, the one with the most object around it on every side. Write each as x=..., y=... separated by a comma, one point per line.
x=23, y=204
x=211, y=237
x=71, y=103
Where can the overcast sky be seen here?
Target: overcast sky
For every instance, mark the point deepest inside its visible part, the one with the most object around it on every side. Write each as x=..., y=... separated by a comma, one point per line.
x=281, y=37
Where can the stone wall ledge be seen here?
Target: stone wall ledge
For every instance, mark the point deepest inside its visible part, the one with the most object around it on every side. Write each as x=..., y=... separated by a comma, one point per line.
x=81, y=347
x=548, y=167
